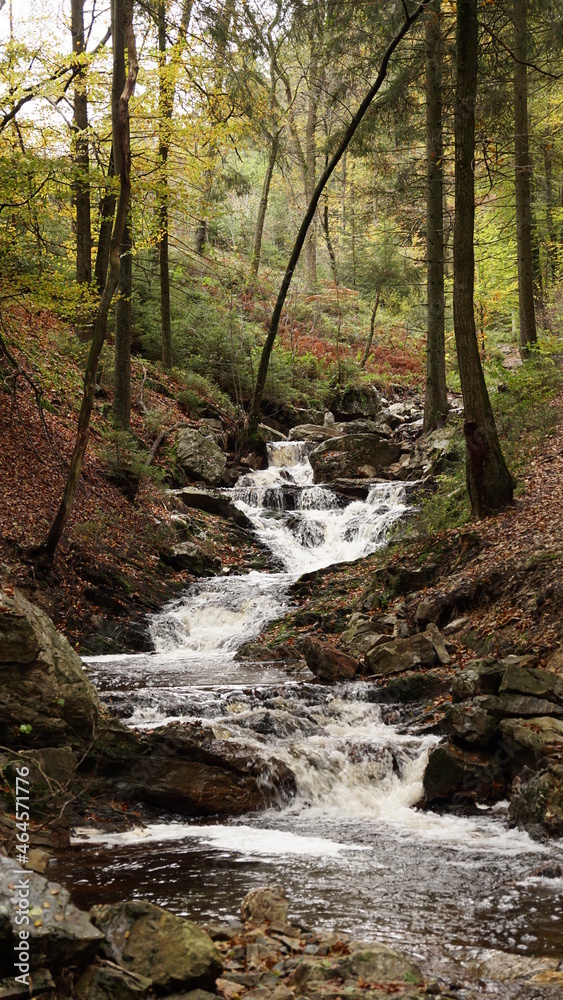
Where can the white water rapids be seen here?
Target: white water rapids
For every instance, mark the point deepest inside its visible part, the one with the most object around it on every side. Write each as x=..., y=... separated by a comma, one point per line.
x=351, y=848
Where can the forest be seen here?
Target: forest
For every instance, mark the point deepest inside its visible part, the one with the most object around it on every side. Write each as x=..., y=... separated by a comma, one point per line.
x=281, y=483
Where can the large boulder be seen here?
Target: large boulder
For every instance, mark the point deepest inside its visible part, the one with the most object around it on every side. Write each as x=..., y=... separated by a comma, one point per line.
x=365, y=455
x=536, y=804
x=328, y=663
x=433, y=453
x=457, y=777
x=57, y=934
x=361, y=634
x=522, y=677
x=45, y=696
x=200, y=456
x=145, y=939
x=192, y=558
x=187, y=769
x=479, y=677
x=212, y=502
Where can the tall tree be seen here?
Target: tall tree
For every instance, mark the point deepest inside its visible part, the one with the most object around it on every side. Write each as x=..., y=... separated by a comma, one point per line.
x=523, y=171
x=81, y=184
x=436, y=398
x=122, y=14
x=488, y=480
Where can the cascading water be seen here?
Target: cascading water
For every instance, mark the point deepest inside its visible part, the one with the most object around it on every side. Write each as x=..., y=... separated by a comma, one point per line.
x=350, y=848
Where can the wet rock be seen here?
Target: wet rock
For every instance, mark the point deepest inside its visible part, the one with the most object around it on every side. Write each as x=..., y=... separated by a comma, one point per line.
x=343, y=458
x=59, y=933
x=268, y=903
x=506, y=967
x=192, y=558
x=105, y=981
x=550, y=869
x=259, y=653
x=187, y=769
x=376, y=962
x=479, y=677
x=200, y=456
x=459, y=777
x=531, y=742
x=211, y=502
x=536, y=804
x=524, y=705
x=42, y=684
x=147, y=940
x=326, y=662
x=470, y=722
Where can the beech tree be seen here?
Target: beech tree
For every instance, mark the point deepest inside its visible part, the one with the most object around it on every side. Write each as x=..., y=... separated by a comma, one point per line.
x=122, y=14
x=489, y=482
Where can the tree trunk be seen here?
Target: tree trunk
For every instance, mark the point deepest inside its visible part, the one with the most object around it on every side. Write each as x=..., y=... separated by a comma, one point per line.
x=488, y=480
x=436, y=397
x=81, y=159
x=122, y=368
x=523, y=167
x=310, y=172
x=165, y=115
x=549, y=204
x=122, y=21
x=329, y=246
x=107, y=212
x=254, y=413
x=371, y=334
x=256, y=253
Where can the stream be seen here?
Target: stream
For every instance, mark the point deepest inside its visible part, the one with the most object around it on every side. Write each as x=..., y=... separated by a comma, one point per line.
x=351, y=849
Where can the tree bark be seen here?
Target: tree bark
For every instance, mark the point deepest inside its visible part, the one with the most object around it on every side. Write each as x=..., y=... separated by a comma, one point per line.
x=552, y=244
x=122, y=14
x=164, y=117
x=488, y=480
x=107, y=212
x=253, y=419
x=81, y=159
x=122, y=366
x=523, y=170
x=436, y=396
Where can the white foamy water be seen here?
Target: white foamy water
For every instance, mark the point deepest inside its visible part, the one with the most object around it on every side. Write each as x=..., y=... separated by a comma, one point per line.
x=305, y=526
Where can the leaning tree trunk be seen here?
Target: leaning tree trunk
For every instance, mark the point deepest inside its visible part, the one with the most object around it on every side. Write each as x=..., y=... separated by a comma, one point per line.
x=311, y=170
x=436, y=396
x=253, y=417
x=122, y=14
x=528, y=334
x=488, y=480
x=81, y=160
